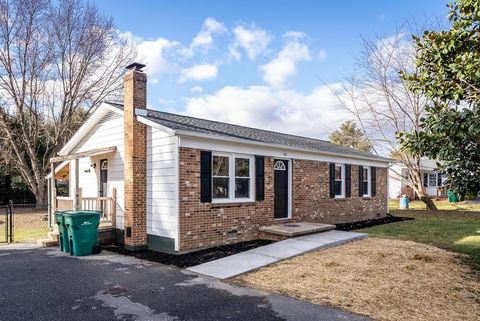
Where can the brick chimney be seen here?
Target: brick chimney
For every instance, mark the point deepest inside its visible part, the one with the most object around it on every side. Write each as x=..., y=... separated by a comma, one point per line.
x=135, y=163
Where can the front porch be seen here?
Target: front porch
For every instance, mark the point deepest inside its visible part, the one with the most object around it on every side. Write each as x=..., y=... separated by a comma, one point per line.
x=106, y=205
x=106, y=199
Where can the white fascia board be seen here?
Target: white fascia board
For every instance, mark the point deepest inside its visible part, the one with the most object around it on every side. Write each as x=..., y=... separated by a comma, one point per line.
x=101, y=111
x=153, y=124
x=112, y=108
x=231, y=144
x=57, y=168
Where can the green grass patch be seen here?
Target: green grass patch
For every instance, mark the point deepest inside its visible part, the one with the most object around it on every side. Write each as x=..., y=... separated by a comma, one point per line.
x=27, y=227
x=457, y=233
x=442, y=204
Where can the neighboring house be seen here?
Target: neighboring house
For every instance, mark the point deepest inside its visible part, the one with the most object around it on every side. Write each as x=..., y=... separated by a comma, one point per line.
x=433, y=180
x=175, y=184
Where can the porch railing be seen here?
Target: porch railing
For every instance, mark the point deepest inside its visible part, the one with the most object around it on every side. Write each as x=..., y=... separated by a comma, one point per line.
x=106, y=205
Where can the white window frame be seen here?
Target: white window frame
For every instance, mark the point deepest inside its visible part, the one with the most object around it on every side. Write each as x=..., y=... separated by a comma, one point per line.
x=428, y=179
x=369, y=181
x=342, y=195
x=231, y=181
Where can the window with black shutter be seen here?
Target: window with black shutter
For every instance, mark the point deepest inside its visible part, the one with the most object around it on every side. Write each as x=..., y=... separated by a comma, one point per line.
x=360, y=181
x=205, y=176
x=337, y=180
x=373, y=178
x=259, y=178
x=348, y=180
x=331, y=174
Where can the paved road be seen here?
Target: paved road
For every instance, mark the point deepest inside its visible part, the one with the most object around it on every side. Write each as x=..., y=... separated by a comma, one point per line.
x=45, y=284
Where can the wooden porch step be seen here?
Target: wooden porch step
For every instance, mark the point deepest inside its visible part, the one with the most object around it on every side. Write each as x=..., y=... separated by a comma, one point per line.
x=297, y=228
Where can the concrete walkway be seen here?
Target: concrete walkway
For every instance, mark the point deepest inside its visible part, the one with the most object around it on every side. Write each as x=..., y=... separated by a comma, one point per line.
x=240, y=263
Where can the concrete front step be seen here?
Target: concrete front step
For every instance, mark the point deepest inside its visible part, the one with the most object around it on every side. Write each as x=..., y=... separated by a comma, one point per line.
x=247, y=261
x=297, y=228
x=48, y=242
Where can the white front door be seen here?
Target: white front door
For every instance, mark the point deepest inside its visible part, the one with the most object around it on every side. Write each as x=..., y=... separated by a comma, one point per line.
x=432, y=180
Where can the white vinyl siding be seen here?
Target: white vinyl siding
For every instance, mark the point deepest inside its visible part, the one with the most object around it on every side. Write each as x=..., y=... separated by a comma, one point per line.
x=162, y=184
x=108, y=132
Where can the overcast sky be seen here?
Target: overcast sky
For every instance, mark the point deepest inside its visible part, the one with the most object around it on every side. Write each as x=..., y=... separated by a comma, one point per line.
x=257, y=63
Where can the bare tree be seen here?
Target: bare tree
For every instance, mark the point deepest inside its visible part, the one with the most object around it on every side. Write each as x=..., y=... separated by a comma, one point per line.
x=380, y=102
x=58, y=61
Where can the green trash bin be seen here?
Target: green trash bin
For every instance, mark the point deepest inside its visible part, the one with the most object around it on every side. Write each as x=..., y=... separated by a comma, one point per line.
x=82, y=231
x=452, y=197
x=63, y=240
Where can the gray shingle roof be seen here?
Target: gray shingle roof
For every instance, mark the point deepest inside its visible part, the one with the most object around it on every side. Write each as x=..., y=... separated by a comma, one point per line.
x=215, y=128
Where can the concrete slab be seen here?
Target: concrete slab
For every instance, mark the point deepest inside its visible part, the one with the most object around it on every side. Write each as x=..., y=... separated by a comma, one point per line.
x=287, y=248
x=233, y=265
x=330, y=236
x=237, y=264
x=297, y=228
x=48, y=242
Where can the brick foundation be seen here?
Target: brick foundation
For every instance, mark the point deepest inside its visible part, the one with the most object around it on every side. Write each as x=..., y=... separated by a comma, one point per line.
x=203, y=225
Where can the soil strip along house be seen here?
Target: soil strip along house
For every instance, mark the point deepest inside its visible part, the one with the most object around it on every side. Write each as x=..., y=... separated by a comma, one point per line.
x=175, y=184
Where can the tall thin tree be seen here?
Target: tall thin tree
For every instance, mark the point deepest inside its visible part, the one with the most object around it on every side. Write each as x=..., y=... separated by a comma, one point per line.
x=58, y=61
x=382, y=104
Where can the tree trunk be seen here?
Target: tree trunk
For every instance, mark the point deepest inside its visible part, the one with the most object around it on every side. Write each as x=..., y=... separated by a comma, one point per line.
x=422, y=195
x=41, y=195
x=430, y=205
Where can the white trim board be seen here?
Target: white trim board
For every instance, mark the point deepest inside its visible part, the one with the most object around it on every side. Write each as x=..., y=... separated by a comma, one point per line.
x=254, y=148
x=91, y=121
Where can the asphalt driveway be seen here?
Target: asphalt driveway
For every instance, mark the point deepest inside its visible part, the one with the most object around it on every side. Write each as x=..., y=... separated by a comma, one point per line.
x=45, y=284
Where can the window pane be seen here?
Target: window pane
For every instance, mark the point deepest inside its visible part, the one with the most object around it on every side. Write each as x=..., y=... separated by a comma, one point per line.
x=220, y=187
x=338, y=172
x=365, y=188
x=220, y=166
x=242, y=167
x=338, y=188
x=365, y=174
x=432, y=179
x=242, y=187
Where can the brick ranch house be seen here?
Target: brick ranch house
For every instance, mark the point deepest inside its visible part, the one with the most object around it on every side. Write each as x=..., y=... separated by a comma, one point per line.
x=176, y=184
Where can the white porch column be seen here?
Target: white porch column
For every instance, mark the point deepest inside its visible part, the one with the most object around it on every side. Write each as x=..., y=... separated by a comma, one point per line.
x=78, y=193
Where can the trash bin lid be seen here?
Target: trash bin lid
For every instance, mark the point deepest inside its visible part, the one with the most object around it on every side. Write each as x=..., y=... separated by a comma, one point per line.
x=82, y=213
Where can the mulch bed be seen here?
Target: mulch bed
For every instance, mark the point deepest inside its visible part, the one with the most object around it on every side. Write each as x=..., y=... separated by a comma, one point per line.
x=369, y=223
x=189, y=259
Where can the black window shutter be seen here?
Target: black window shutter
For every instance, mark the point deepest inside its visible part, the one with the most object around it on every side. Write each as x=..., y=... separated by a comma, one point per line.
x=332, y=180
x=205, y=176
x=373, y=177
x=348, y=180
x=360, y=181
x=259, y=178
x=425, y=180
x=439, y=179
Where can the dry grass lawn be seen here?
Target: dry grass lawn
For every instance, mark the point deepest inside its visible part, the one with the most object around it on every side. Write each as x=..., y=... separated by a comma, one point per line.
x=442, y=204
x=388, y=280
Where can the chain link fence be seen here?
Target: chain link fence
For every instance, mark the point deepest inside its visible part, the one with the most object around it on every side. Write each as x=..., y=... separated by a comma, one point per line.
x=26, y=223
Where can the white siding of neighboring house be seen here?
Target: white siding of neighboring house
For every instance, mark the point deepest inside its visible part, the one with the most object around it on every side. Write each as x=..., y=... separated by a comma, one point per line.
x=394, y=182
x=108, y=132
x=162, y=184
